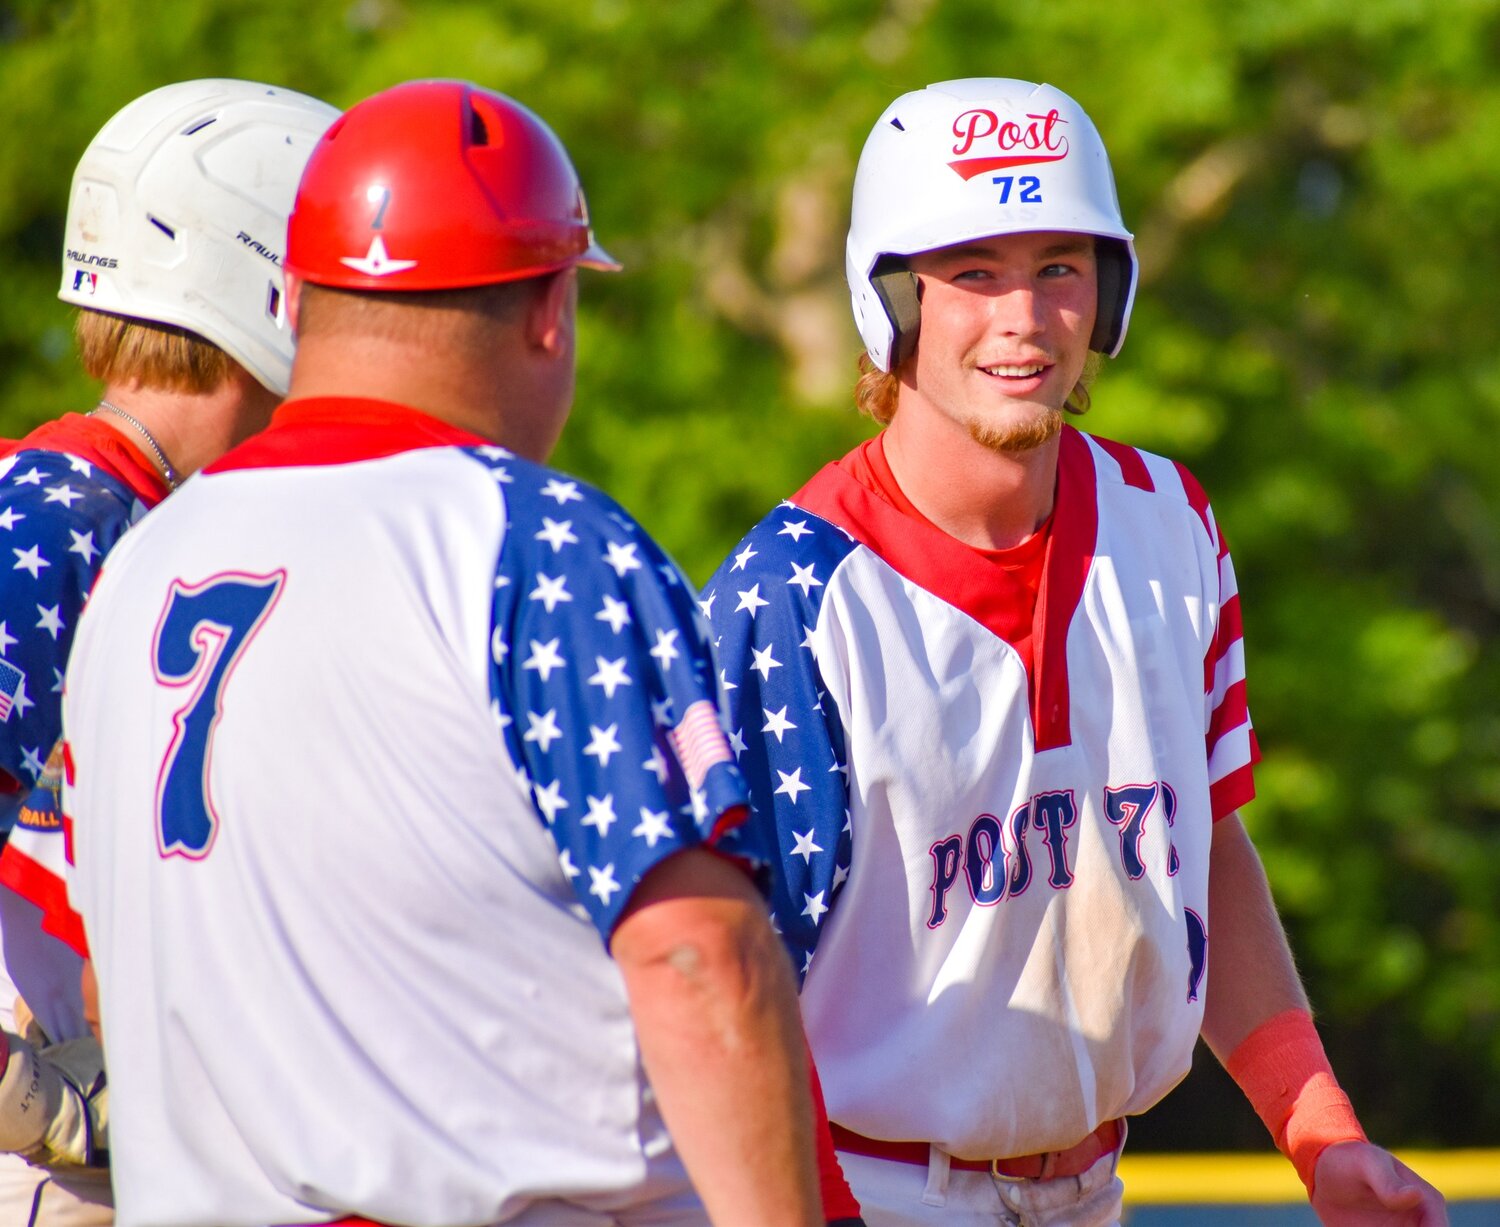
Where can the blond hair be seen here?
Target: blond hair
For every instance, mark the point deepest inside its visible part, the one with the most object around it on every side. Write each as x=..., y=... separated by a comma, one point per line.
x=120, y=349
x=875, y=390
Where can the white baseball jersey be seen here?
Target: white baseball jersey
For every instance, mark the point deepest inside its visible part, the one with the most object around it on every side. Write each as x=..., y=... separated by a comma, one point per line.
x=994, y=880
x=372, y=728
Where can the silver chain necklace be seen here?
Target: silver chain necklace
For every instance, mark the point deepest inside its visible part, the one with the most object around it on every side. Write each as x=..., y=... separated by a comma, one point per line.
x=169, y=474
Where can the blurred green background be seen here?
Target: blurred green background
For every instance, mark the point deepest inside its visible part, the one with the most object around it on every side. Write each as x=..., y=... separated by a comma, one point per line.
x=1314, y=186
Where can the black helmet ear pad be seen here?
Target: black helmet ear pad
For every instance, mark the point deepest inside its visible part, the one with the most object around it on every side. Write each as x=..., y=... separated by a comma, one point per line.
x=901, y=297
x=1112, y=259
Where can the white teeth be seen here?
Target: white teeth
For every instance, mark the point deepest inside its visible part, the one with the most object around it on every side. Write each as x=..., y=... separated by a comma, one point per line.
x=1021, y=372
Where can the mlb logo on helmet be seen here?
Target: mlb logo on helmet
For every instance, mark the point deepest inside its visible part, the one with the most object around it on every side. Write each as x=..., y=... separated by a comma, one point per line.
x=1002, y=143
x=85, y=282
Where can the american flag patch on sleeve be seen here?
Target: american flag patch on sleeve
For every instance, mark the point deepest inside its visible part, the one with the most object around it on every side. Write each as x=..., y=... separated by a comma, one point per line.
x=11, y=680
x=700, y=742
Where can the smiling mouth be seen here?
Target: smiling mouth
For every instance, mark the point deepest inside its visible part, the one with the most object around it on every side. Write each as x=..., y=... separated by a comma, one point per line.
x=1016, y=372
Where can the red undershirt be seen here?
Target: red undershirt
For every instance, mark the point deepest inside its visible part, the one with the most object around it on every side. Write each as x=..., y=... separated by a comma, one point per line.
x=868, y=465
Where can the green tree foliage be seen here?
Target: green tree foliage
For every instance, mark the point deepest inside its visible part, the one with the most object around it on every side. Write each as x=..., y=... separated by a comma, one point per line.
x=1313, y=185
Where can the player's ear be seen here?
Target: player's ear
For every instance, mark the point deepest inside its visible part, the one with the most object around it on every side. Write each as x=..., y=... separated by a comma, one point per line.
x=549, y=315
x=293, y=300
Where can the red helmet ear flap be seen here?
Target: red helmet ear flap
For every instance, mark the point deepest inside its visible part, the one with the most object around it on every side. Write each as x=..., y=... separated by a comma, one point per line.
x=438, y=185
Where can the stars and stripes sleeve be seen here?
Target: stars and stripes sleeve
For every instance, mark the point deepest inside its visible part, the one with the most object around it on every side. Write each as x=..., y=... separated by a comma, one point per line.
x=59, y=516
x=764, y=604
x=604, y=687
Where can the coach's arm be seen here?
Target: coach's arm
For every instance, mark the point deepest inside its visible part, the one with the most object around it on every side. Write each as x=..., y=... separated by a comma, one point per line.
x=1258, y=1023
x=715, y=1008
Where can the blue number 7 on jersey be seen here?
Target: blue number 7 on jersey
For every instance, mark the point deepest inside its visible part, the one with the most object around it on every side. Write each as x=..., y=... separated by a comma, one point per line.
x=203, y=632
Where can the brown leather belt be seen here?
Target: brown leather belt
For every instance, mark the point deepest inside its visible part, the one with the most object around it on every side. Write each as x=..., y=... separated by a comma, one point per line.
x=1073, y=1161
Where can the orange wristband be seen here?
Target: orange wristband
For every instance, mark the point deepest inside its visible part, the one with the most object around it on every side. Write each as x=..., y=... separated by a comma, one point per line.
x=1284, y=1072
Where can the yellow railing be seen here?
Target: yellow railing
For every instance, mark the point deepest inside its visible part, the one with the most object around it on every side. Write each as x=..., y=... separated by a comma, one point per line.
x=1461, y=1175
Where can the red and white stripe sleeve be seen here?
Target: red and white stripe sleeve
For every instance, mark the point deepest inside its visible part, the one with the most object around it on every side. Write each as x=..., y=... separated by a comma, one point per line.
x=1230, y=736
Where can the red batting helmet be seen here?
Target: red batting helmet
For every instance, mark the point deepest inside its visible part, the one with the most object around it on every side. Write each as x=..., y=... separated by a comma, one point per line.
x=436, y=185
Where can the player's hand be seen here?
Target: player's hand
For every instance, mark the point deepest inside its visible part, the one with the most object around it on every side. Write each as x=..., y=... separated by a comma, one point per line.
x=54, y=1102
x=1356, y=1184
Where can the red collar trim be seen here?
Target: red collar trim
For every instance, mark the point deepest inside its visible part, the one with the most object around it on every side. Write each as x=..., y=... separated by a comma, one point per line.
x=869, y=465
x=980, y=586
x=320, y=430
x=76, y=434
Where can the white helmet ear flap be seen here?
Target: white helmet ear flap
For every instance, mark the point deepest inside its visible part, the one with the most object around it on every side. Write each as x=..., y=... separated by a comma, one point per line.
x=899, y=293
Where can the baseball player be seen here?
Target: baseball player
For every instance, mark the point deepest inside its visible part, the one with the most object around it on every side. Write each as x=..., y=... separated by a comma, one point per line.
x=988, y=693
x=398, y=770
x=175, y=228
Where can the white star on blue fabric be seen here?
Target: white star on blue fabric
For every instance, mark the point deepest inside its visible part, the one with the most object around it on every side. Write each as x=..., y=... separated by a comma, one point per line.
x=621, y=558
x=64, y=494
x=652, y=826
x=666, y=648
x=615, y=612
x=610, y=675
x=764, y=662
x=83, y=545
x=792, y=785
x=557, y=533
x=551, y=591
x=804, y=578
x=777, y=723
x=563, y=492
x=805, y=845
x=50, y=621
x=602, y=882
x=751, y=600
x=604, y=744
x=601, y=815
x=545, y=658
x=30, y=560
x=550, y=800
x=543, y=730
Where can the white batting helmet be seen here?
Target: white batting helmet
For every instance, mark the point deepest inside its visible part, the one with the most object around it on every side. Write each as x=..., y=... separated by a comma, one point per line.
x=970, y=159
x=178, y=215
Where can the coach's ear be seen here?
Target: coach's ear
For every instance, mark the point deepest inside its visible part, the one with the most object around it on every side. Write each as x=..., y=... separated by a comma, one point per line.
x=293, y=299
x=549, y=316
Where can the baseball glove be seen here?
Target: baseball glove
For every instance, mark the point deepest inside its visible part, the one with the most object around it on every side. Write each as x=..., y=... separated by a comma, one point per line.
x=54, y=1102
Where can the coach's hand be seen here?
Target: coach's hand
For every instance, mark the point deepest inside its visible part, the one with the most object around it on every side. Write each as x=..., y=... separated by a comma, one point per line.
x=1357, y=1184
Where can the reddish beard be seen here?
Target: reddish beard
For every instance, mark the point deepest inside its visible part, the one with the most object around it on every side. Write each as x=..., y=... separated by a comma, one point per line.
x=1025, y=436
